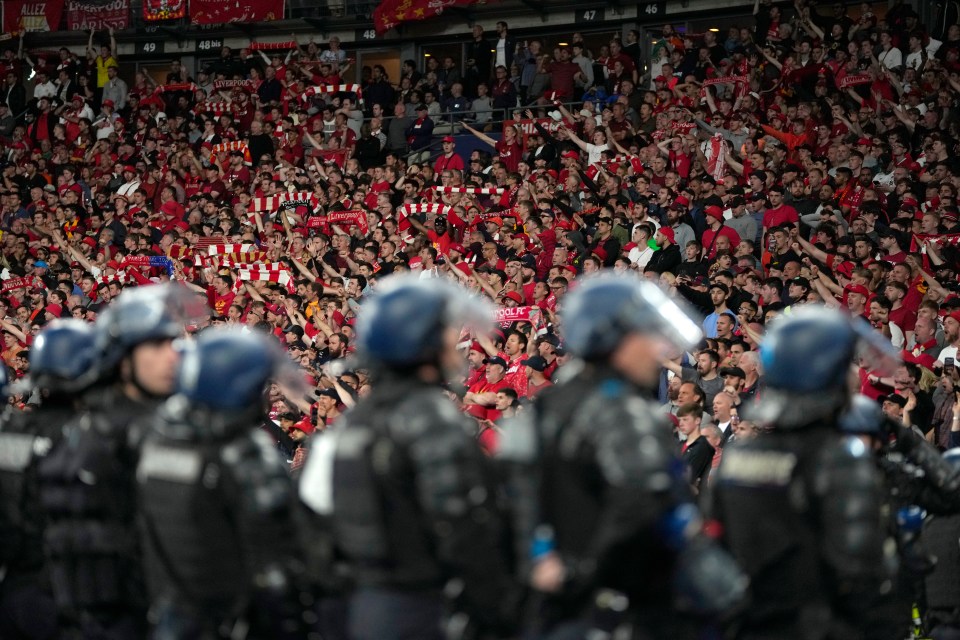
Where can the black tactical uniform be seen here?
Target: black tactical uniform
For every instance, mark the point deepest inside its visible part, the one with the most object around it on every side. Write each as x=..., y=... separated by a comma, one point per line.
x=801, y=506
x=407, y=494
x=217, y=519
x=87, y=494
x=414, y=505
x=801, y=511
x=61, y=368
x=87, y=482
x=595, y=480
x=221, y=547
x=26, y=604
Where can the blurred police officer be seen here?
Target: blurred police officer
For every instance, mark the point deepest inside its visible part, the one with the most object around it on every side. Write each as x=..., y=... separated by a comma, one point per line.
x=218, y=506
x=800, y=507
x=61, y=360
x=941, y=536
x=605, y=518
x=407, y=492
x=87, y=487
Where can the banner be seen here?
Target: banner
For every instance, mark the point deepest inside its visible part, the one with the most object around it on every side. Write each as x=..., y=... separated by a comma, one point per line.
x=21, y=283
x=249, y=85
x=32, y=15
x=849, y=81
x=355, y=217
x=390, y=13
x=83, y=15
x=219, y=12
x=154, y=10
x=149, y=261
x=527, y=129
x=506, y=317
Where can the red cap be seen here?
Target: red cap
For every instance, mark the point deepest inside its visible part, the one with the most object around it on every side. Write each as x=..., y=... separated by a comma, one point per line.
x=920, y=358
x=108, y=103
x=955, y=315
x=513, y=295
x=682, y=200
x=857, y=288
x=130, y=168
x=272, y=308
x=458, y=248
x=54, y=309
x=448, y=139
x=600, y=252
x=304, y=425
x=667, y=232
x=570, y=154
x=714, y=212
x=865, y=141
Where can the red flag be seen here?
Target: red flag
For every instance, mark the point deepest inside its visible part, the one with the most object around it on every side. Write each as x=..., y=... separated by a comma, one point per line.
x=83, y=15
x=31, y=15
x=220, y=12
x=390, y=13
x=154, y=10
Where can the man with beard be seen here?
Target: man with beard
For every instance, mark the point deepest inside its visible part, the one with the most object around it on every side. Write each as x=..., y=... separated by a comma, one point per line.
x=667, y=259
x=336, y=348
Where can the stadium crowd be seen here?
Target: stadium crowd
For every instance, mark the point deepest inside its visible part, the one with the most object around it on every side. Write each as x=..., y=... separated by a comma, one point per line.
x=809, y=160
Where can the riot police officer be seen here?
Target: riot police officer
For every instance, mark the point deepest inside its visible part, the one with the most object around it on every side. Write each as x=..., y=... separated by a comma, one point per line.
x=86, y=482
x=218, y=506
x=800, y=507
x=61, y=367
x=605, y=519
x=406, y=490
x=941, y=535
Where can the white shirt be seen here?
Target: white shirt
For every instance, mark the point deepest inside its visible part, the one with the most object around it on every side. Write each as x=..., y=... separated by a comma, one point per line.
x=891, y=58
x=501, y=52
x=44, y=90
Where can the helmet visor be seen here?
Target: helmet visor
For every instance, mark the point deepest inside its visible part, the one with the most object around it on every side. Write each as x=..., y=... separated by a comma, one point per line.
x=876, y=353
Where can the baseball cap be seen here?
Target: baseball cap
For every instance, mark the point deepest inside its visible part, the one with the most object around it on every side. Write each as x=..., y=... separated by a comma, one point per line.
x=857, y=288
x=513, y=295
x=40, y=264
x=448, y=139
x=732, y=371
x=900, y=401
x=496, y=360
x=54, y=310
x=667, y=232
x=537, y=363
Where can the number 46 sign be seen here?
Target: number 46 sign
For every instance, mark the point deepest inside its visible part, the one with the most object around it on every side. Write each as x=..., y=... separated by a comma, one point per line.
x=651, y=9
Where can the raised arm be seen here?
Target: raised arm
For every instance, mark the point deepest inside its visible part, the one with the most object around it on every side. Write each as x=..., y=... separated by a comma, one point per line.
x=479, y=135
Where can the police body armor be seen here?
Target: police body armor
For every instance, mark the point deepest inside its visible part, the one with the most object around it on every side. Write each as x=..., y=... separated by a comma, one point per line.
x=87, y=494
x=941, y=536
x=27, y=609
x=590, y=433
x=411, y=500
x=218, y=519
x=801, y=511
x=25, y=438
